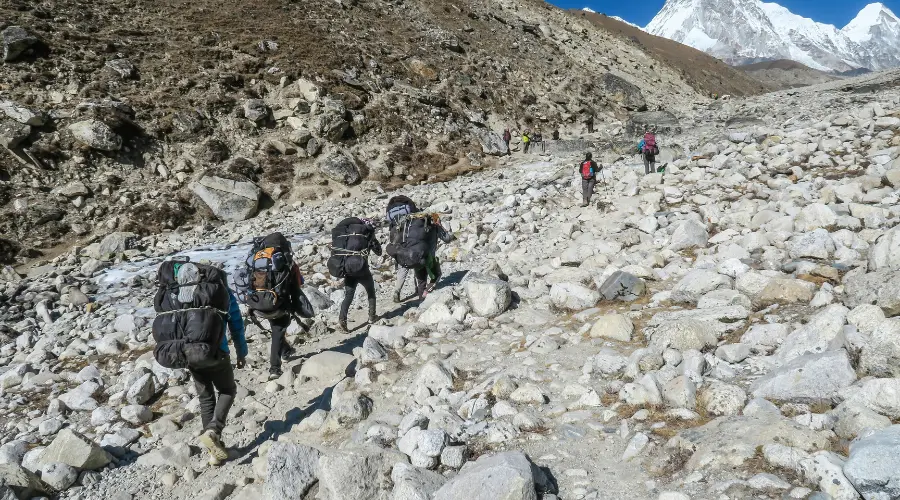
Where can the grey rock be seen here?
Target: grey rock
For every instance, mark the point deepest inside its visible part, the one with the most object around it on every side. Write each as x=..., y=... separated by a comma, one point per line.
x=17, y=41
x=623, y=286
x=491, y=142
x=229, y=200
x=572, y=296
x=137, y=414
x=290, y=470
x=872, y=465
x=327, y=366
x=689, y=233
x=683, y=334
x=142, y=390
x=13, y=133
x=59, y=476
x=852, y=420
x=72, y=448
x=412, y=483
x=256, y=110
x=723, y=399
x=21, y=483
x=488, y=297
x=880, y=355
x=698, y=282
x=808, y=377
x=96, y=135
x=504, y=476
x=22, y=114
x=177, y=455
x=123, y=68
x=357, y=473
x=339, y=167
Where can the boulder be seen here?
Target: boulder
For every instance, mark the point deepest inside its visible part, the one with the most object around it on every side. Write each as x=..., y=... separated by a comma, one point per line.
x=72, y=448
x=809, y=377
x=613, y=327
x=622, y=92
x=885, y=253
x=623, y=286
x=339, y=167
x=17, y=41
x=852, y=420
x=177, y=455
x=488, y=297
x=96, y=135
x=881, y=395
x=698, y=282
x=504, y=476
x=722, y=399
x=785, y=291
x=683, y=334
x=880, y=355
x=491, y=142
x=123, y=68
x=413, y=483
x=823, y=332
x=873, y=464
x=229, y=200
x=290, y=470
x=433, y=376
x=814, y=216
x=59, y=476
x=12, y=133
x=22, y=114
x=688, y=233
x=357, y=473
x=573, y=297
x=816, y=244
x=16, y=482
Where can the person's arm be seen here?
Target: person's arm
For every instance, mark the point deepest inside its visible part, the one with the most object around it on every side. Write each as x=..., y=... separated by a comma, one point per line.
x=236, y=327
x=374, y=245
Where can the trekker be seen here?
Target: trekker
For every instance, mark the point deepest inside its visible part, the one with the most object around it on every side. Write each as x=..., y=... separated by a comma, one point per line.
x=270, y=285
x=588, y=169
x=413, y=244
x=351, y=241
x=194, y=305
x=507, y=137
x=589, y=123
x=556, y=134
x=526, y=141
x=538, y=140
x=648, y=149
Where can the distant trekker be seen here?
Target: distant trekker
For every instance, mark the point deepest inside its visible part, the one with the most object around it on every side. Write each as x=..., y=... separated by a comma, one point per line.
x=351, y=241
x=507, y=137
x=588, y=169
x=526, y=141
x=648, y=149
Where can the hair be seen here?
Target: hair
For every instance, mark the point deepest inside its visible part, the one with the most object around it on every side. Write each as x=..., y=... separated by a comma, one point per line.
x=588, y=155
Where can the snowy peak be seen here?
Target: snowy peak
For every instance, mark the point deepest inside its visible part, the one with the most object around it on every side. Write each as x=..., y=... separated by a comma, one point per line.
x=748, y=31
x=871, y=18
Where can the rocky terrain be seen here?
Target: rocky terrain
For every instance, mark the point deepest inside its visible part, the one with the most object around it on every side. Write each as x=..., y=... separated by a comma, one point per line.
x=118, y=115
x=784, y=74
x=725, y=329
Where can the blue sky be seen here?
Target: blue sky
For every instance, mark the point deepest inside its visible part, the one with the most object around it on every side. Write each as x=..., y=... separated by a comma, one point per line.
x=640, y=12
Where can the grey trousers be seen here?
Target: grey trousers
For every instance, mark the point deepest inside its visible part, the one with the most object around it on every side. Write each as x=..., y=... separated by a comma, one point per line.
x=649, y=164
x=421, y=279
x=587, y=188
x=219, y=377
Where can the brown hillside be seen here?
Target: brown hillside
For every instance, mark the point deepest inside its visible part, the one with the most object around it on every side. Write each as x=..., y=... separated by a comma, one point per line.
x=706, y=73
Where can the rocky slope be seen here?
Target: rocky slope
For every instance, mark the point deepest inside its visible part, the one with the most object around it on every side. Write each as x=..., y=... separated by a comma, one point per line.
x=137, y=116
x=725, y=329
x=783, y=74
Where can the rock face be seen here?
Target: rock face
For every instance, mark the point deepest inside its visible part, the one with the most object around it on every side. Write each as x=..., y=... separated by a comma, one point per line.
x=230, y=200
x=491, y=142
x=290, y=470
x=504, y=476
x=339, y=167
x=72, y=448
x=872, y=466
x=96, y=134
x=627, y=95
x=488, y=297
x=357, y=473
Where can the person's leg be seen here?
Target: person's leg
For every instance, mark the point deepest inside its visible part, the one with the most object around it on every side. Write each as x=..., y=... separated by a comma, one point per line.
x=590, y=190
x=646, y=164
x=653, y=165
x=349, y=291
x=585, y=186
x=207, y=395
x=402, y=273
x=279, y=345
x=421, y=274
x=368, y=282
x=223, y=379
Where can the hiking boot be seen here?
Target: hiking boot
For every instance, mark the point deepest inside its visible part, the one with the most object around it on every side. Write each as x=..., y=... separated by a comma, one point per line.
x=274, y=372
x=213, y=443
x=584, y=204
x=342, y=326
x=373, y=318
x=396, y=297
x=288, y=352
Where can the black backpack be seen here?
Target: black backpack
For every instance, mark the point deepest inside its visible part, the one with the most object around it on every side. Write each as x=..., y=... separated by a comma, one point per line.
x=415, y=238
x=192, y=301
x=398, y=207
x=264, y=283
x=350, y=248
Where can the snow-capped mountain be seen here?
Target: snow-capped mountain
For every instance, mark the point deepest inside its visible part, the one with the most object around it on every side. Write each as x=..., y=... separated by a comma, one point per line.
x=747, y=31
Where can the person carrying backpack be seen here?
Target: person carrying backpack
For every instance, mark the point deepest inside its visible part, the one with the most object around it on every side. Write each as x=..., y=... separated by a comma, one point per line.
x=413, y=243
x=507, y=137
x=352, y=240
x=194, y=305
x=648, y=150
x=588, y=169
x=526, y=141
x=270, y=285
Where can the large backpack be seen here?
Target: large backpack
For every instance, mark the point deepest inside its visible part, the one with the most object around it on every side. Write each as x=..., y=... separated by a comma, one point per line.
x=265, y=281
x=587, y=169
x=192, y=301
x=350, y=248
x=399, y=206
x=415, y=238
x=650, y=147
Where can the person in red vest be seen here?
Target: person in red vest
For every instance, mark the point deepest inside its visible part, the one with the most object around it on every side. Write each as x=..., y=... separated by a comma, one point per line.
x=588, y=169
